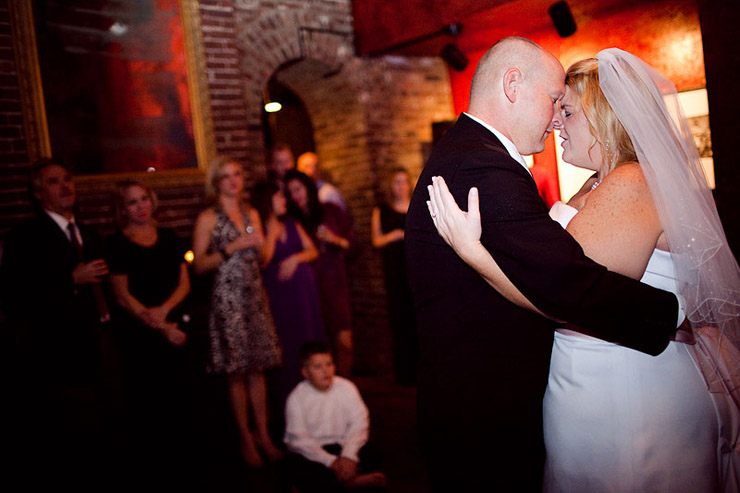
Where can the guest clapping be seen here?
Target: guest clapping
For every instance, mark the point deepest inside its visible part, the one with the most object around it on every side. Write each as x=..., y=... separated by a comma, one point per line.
x=331, y=228
x=243, y=342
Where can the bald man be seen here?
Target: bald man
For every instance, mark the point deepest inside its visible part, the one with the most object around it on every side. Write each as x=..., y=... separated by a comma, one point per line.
x=484, y=362
x=308, y=163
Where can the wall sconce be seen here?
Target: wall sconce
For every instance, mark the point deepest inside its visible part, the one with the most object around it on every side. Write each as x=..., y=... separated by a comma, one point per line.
x=118, y=28
x=273, y=107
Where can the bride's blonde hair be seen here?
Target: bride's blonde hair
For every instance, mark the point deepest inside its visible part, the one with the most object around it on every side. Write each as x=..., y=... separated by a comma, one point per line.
x=607, y=131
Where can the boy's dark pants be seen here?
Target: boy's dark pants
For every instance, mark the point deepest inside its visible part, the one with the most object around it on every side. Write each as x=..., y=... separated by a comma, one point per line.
x=312, y=477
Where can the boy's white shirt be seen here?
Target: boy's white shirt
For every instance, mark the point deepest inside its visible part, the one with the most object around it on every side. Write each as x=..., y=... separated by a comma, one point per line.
x=314, y=418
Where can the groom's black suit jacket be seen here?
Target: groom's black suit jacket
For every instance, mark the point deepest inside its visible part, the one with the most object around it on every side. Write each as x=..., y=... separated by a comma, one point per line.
x=484, y=361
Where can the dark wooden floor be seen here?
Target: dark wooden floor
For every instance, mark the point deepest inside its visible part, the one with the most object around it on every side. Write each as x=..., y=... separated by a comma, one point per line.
x=206, y=442
x=393, y=415
x=204, y=455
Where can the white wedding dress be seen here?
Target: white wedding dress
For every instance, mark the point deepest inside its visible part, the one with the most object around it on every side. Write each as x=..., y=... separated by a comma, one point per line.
x=617, y=420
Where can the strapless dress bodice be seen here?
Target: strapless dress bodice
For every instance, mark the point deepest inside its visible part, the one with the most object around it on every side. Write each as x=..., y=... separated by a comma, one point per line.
x=659, y=272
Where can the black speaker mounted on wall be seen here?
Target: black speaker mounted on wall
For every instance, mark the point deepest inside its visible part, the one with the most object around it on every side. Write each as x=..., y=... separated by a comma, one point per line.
x=450, y=53
x=562, y=18
x=454, y=57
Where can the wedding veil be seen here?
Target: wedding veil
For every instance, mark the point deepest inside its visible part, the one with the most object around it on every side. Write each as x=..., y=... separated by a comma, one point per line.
x=707, y=273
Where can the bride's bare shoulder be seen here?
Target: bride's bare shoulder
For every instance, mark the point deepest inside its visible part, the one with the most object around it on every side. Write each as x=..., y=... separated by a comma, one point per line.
x=624, y=181
x=619, y=225
x=627, y=173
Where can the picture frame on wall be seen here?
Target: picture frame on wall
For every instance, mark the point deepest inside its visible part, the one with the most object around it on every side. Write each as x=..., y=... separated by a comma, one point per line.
x=696, y=108
x=116, y=90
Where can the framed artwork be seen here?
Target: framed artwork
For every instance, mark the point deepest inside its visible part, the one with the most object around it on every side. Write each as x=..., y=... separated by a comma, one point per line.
x=114, y=88
x=696, y=107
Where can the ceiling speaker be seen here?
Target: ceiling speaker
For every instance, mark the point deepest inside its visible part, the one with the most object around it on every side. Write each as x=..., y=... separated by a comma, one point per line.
x=454, y=57
x=562, y=18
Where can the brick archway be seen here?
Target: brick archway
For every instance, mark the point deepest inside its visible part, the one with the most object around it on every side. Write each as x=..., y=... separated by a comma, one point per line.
x=368, y=114
x=286, y=38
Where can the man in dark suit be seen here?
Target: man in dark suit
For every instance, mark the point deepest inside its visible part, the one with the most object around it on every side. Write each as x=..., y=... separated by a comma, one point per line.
x=51, y=274
x=484, y=361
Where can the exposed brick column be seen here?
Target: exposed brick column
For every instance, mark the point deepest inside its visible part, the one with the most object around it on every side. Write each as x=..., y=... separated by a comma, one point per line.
x=225, y=79
x=14, y=200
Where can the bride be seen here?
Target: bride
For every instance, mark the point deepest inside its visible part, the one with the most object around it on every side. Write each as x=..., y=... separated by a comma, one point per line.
x=616, y=419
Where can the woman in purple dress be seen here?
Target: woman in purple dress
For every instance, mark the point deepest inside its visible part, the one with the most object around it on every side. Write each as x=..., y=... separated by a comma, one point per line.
x=331, y=229
x=287, y=254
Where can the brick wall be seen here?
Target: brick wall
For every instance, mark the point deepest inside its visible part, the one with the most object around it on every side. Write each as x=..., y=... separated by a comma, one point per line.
x=368, y=115
x=14, y=201
x=375, y=115
x=225, y=80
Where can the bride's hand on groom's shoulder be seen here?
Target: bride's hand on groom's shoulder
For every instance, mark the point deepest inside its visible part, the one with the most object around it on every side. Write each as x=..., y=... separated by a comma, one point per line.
x=459, y=229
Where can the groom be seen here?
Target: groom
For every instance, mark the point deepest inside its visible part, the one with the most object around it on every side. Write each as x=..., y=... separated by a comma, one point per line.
x=484, y=361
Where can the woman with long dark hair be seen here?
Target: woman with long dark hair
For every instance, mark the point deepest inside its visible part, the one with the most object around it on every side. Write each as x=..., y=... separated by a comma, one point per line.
x=331, y=229
x=287, y=254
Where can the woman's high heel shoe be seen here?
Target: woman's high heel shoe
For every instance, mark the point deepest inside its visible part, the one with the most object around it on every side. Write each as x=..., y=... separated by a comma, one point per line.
x=272, y=453
x=250, y=454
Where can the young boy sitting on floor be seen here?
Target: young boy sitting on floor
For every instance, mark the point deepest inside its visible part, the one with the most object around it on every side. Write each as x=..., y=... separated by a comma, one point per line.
x=326, y=428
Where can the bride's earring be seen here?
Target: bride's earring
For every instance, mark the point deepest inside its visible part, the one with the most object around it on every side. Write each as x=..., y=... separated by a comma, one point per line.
x=609, y=156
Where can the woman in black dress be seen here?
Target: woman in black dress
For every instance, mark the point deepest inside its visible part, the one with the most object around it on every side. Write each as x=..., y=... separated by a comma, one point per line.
x=388, y=222
x=149, y=278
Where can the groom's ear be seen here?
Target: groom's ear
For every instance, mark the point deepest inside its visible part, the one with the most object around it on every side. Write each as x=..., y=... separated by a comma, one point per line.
x=511, y=80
